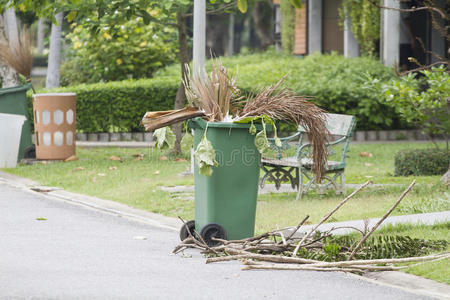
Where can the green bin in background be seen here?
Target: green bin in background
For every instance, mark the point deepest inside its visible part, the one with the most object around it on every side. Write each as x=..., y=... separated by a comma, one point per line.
x=225, y=202
x=13, y=100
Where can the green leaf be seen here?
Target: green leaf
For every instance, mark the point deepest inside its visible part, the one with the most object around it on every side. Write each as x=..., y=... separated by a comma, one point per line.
x=296, y=3
x=187, y=142
x=205, y=157
x=165, y=138
x=71, y=16
x=242, y=5
x=252, y=129
x=261, y=142
x=277, y=141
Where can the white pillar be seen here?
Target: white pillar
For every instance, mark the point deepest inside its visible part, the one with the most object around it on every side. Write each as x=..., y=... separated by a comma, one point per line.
x=390, y=33
x=54, y=56
x=230, y=46
x=351, y=48
x=40, y=36
x=314, y=26
x=12, y=31
x=198, y=58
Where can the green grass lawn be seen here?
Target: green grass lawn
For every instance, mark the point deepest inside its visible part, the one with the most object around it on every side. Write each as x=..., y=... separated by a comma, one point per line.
x=136, y=183
x=438, y=270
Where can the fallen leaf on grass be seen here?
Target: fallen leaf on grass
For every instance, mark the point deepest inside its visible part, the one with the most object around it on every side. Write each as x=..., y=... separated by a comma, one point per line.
x=156, y=172
x=79, y=169
x=180, y=160
x=163, y=157
x=101, y=174
x=71, y=158
x=112, y=168
x=365, y=154
x=138, y=156
x=116, y=158
x=94, y=179
x=368, y=164
x=41, y=219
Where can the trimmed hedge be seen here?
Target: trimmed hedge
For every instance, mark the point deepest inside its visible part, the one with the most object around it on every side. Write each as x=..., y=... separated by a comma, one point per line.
x=421, y=162
x=119, y=106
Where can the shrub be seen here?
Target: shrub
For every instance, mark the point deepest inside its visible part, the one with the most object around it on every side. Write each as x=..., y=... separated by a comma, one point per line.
x=338, y=83
x=423, y=100
x=131, y=50
x=119, y=106
x=421, y=162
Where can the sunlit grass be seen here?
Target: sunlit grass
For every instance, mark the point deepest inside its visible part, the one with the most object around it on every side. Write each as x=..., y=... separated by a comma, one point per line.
x=137, y=183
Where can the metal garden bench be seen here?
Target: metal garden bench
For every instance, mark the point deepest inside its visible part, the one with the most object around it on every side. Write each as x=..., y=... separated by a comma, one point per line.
x=297, y=169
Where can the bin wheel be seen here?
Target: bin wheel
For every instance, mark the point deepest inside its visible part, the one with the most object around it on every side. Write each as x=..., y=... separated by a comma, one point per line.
x=213, y=230
x=30, y=152
x=186, y=228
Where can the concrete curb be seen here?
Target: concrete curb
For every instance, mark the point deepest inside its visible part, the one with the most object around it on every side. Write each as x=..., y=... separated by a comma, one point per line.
x=108, y=206
x=410, y=283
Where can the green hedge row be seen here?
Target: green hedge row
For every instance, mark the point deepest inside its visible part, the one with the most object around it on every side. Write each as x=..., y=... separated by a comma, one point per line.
x=421, y=162
x=119, y=106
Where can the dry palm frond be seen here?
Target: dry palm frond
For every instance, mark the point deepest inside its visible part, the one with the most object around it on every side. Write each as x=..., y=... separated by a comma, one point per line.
x=215, y=94
x=282, y=104
x=19, y=56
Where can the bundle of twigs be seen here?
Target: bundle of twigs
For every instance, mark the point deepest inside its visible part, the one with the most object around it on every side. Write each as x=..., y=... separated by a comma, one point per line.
x=282, y=104
x=19, y=56
x=279, y=249
x=215, y=94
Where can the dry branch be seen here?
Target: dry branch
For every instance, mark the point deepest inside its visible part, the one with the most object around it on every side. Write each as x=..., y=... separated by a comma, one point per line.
x=382, y=219
x=328, y=216
x=158, y=119
x=282, y=104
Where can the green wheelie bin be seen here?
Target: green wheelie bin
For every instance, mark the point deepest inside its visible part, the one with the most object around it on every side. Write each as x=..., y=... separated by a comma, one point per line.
x=225, y=202
x=13, y=100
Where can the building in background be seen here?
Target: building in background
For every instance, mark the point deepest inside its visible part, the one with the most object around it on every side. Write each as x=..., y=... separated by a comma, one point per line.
x=402, y=35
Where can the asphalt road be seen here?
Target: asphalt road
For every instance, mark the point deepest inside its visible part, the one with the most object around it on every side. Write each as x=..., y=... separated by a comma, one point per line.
x=81, y=253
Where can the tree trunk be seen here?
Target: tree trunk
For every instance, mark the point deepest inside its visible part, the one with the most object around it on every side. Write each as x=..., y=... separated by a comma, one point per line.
x=40, y=36
x=12, y=32
x=54, y=56
x=180, y=99
x=261, y=13
x=8, y=75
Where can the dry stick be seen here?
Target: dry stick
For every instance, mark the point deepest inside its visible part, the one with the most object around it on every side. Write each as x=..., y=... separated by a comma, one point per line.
x=291, y=267
x=329, y=215
x=297, y=228
x=382, y=261
x=263, y=257
x=348, y=266
x=381, y=220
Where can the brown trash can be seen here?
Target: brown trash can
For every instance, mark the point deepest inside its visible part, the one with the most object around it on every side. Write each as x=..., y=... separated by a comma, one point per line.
x=54, y=125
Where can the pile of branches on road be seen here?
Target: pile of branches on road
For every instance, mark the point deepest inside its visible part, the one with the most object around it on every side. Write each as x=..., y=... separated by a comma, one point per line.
x=321, y=251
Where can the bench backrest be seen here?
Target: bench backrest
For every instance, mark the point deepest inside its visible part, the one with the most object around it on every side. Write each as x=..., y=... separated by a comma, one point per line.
x=342, y=125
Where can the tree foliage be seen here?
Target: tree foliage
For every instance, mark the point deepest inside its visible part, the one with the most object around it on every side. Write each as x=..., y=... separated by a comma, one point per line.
x=132, y=50
x=365, y=20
